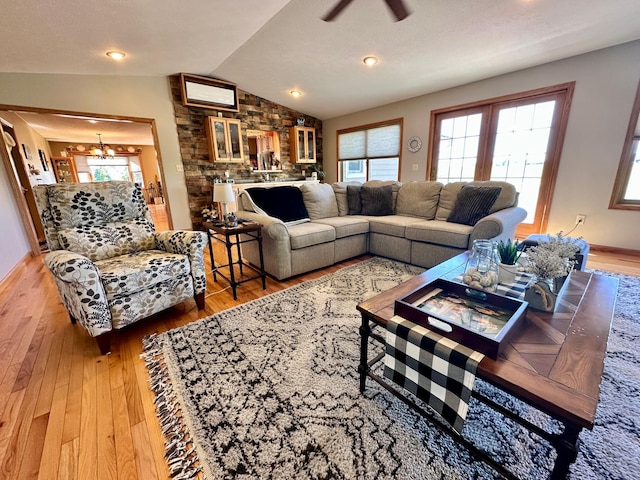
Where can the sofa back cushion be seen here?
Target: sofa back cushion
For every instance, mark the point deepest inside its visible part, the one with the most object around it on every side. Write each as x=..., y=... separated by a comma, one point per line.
x=473, y=203
x=319, y=200
x=353, y=199
x=418, y=199
x=395, y=187
x=108, y=241
x=340, y=190
x=508, y=196
x=99, y=219
x=376, y=200
x=94, y=204
x=284, y=203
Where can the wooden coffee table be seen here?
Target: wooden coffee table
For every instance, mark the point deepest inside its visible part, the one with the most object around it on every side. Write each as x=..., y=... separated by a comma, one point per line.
x=554, y=363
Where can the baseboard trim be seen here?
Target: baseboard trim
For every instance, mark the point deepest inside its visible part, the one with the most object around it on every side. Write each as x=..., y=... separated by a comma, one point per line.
x=14, y=273
x=614, y=250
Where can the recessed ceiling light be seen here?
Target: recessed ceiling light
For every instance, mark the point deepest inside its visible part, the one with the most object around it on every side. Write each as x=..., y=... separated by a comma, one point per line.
x=295, y=93
x=370, y=61
x=115, y=55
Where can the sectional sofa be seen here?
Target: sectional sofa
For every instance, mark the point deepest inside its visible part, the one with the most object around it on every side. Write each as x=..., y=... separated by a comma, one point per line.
x=421, y=223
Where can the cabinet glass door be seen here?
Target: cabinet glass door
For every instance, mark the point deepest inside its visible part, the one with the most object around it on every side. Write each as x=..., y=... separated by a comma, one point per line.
x=301, y=147
x=311, y=145
x=221, y=140
x=235, y=144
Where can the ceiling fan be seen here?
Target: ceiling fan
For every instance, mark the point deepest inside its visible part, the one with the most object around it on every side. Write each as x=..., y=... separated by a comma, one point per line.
x=397, y=7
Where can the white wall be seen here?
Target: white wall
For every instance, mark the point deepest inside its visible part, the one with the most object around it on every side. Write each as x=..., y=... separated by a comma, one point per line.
x=606, y=83
x=13, y=241
x=144, y=97
x=34, y=141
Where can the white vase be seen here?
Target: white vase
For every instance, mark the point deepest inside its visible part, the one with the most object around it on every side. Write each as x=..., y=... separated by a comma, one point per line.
x=507, y=273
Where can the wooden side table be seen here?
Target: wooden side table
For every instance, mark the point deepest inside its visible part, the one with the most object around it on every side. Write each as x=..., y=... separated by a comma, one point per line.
x=230, y=237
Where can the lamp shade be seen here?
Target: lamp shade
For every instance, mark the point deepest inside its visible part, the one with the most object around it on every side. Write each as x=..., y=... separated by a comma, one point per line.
x=222, y=192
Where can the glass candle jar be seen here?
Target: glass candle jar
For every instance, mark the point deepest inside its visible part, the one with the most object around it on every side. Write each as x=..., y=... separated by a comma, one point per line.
x=483, y=266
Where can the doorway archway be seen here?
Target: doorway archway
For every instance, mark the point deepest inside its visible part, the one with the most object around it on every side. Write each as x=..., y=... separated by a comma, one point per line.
x=21, y=187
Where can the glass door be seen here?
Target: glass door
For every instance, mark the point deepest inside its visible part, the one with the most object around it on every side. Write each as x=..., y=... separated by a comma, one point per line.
x=301, y=145
x=220, y=139
x=524, y=139
x=311, y=144
x=518, y=140
x=235, y=140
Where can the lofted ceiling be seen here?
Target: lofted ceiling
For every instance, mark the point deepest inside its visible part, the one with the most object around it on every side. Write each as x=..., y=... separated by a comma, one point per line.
x=269, y=47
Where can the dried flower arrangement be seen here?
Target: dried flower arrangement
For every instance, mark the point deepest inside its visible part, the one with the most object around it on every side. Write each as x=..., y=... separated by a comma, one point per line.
x=552, y=259
x=209, y=215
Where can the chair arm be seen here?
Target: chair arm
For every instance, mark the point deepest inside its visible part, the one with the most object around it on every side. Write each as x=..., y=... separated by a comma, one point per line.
x=500, y=225
x=191, y=244
x=81, y=290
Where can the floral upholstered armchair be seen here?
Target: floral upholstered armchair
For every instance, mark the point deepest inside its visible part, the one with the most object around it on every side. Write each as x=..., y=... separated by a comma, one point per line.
x=110, y=266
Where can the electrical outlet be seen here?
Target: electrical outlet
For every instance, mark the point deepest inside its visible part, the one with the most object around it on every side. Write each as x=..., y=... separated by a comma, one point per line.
x=580, y=219
x=179, y=167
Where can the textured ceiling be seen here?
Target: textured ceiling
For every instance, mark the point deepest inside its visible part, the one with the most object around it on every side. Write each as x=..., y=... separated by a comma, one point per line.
x=270, y=47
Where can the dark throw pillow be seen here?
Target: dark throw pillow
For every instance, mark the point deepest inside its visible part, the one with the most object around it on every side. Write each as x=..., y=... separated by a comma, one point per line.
x=284, y=203
x=473, y=203
x=376, y=200
x=353, y=199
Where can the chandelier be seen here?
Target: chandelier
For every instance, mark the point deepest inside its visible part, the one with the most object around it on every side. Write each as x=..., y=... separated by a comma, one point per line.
x=102, y=151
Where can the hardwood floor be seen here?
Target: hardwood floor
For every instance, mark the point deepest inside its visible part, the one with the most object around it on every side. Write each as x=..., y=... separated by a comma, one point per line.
x=66, y=412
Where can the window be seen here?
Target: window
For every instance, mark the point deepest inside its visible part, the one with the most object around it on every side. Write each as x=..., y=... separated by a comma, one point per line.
x=96, y=169
x=370, y=152
x=626, y=190
x=516, y=138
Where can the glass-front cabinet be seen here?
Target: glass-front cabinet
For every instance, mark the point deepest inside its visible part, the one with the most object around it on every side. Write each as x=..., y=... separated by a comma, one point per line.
x=65, y=169
x=224, y=136
x=303, y=144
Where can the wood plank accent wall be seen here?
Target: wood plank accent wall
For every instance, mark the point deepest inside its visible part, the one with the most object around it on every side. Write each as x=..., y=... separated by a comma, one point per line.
x=255, y=114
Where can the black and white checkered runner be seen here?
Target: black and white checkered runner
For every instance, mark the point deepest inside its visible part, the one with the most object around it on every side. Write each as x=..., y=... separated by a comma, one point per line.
x=436, y=369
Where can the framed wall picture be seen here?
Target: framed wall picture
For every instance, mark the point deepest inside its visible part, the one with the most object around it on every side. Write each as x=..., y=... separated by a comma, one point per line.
x=27, y=151
x=43, y=160
x=208, y=92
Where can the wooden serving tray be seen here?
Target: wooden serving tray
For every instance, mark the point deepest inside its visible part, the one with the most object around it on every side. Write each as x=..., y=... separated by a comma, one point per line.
x=477, y=319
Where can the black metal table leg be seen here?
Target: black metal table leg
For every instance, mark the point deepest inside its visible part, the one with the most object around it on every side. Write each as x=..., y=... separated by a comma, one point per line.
x=231, y=269
x=213, y=265
x=262, y=272
x=239, y=254
x=567, y=446
x=363, y=368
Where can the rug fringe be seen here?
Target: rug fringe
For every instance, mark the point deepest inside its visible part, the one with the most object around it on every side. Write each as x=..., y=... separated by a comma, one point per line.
x=180, y=452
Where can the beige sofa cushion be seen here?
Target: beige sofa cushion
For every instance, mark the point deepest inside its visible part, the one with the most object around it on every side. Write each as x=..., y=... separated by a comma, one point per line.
x=418, y=199
x=381, y=183
x=340, y=190
x=449, y=193
x=439, y=232
x=309, y=234
x=394, y=225
x=347, y=226
x=320, y=200
x=508, y=195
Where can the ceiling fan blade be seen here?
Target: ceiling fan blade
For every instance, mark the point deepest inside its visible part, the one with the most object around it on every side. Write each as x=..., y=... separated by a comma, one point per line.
x=341, y=5
x=399, y=9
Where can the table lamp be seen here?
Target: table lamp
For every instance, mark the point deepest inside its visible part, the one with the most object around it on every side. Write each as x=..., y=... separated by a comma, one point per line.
x=223, y=193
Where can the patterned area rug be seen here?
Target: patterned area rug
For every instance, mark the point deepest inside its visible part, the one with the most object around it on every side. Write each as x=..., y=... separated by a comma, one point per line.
x=269, y=390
